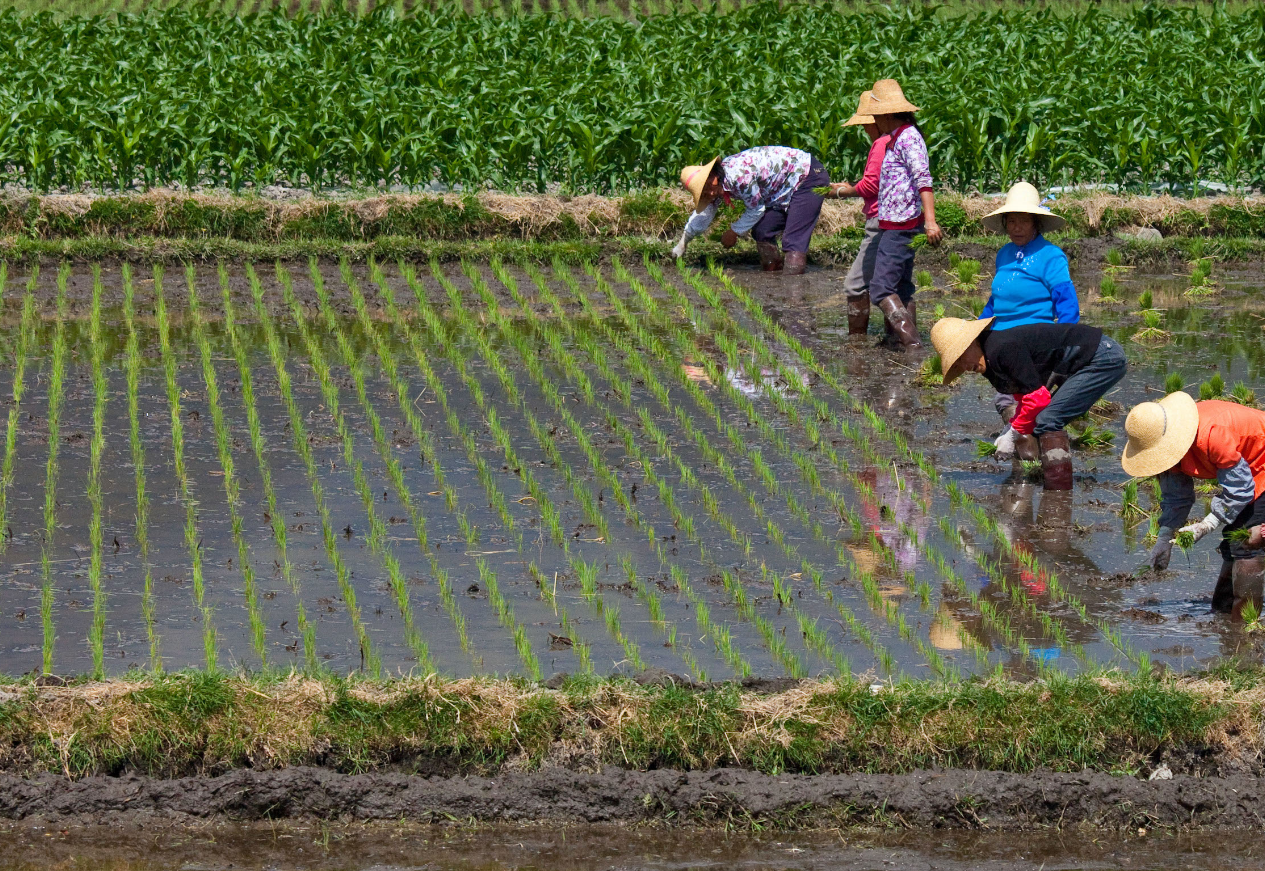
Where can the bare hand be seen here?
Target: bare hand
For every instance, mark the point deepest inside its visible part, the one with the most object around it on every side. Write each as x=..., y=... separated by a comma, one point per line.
x=1257, y=538
x=934, y=234
x=729, y=238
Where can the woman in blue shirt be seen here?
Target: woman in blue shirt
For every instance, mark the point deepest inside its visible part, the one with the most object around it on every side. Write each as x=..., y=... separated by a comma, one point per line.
x=1031, y=285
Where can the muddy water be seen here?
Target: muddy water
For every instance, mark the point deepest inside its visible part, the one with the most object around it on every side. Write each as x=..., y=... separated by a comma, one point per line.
x=214, y=846
x=860, y=580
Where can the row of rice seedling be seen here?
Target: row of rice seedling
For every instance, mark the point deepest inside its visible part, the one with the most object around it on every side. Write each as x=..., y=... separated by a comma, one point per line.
x=377, y=537
x=688, y=345
x=959, y=498
x=100, y=392
x=192, y=537
x=133, y=368
x=369, y=659
x=814, y=637
x=504, y=610
x=307, y=629
x=26, y=339
x=232, y=488
x=56, y=395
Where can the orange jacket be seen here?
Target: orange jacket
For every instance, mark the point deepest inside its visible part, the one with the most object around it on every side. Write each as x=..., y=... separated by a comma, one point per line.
x=1228, y=432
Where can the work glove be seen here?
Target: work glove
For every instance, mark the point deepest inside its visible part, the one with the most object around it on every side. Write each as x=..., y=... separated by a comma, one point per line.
x=1211, y=523
x=679, y=251
x=1163, y=550
x=1005, y=444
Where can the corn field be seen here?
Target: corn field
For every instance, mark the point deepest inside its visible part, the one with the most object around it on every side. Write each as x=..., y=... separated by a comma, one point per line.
x=578, y=96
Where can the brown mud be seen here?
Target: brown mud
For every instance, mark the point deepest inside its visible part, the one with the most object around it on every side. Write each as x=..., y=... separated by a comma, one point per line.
x=952, y=799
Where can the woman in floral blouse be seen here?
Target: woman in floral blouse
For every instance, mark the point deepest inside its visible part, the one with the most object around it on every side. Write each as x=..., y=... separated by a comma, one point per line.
x=776, y=186
x=906, y=208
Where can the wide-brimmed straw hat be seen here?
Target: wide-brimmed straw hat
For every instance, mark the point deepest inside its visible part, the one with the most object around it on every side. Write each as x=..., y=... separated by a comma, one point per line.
x=952, y=336
x=887, y=98
x=693, y=178
x=1160, y=433
x=862, y=114
x=1022, y=197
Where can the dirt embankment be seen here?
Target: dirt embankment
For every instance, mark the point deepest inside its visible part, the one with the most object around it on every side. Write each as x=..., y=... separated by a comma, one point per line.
x=925, y=799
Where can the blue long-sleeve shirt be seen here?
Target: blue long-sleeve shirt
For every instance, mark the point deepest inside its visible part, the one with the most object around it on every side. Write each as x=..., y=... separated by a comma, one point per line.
x=1032, y=285
x=1177, y=495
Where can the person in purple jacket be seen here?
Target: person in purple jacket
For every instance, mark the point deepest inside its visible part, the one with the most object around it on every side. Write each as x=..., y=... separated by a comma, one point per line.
x=1031, y=285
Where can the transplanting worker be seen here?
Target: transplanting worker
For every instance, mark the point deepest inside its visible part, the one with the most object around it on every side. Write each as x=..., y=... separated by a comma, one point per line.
x=1056, y=372
x=857, y=285
x=775, y=184
x=906, y=208
x=1031, y=285
x=1179, y=440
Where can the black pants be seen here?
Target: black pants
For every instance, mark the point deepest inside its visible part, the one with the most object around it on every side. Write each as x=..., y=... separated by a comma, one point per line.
x=797, y=219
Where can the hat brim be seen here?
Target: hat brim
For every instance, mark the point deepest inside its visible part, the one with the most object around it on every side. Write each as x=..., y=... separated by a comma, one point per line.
x=858, y=119
x=877, y=108
x=996, y=221
x=952, y=355
x=699, y=182
x=1181, y=426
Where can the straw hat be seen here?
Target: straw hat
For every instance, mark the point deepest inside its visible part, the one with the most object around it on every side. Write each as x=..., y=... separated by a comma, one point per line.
x=1160, y=433
x=693, y=178
x=1022, y=197
x=862, y=114
x=887, y=99
x=952, y=336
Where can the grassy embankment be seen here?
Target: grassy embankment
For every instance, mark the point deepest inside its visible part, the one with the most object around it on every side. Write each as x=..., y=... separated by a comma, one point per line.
x=174, y=227
x=189, y=723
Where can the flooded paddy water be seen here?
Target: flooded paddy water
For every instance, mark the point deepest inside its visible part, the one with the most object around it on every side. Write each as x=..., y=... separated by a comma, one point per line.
x=492, y=469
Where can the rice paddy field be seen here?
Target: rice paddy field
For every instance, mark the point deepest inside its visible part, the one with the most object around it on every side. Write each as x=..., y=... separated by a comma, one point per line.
x=495, y=467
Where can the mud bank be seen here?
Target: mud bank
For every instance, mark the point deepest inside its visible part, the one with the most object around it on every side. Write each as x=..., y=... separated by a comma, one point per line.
x=926, y=799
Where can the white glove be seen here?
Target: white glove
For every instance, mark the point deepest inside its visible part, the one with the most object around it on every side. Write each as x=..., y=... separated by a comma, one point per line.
x=1005, y=444
x=679, y=251
x=1211, y=523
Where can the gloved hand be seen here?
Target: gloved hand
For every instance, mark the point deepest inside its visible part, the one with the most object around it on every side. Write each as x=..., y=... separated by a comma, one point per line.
x=679, y=251
x=1211, y=523
x=1163, y=550
x=1005, y=444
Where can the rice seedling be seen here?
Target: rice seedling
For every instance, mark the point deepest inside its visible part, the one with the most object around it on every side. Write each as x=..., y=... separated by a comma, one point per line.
x=1238, y=536
x=923, y=280
x=26, y=338
x=1115, y=262
x=930, y=371
x=1213, y=388
x=192, y=537
x=1146, y=300
x=1173, y=383
x=96, y=632
x=56, y=395
x=985, y=448
x=299, y=437
x=232, y=488
x=1201, y=283
x=964, y=272
x=1152, y=331
x=138, y=465
x=1090, y=437
x=307, y=630
x=1130, y=508
x=1108, y=289
x=1242, y=394
x=1184, y=539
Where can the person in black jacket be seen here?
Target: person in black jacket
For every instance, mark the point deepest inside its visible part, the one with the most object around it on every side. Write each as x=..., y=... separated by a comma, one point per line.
x=1055, y=372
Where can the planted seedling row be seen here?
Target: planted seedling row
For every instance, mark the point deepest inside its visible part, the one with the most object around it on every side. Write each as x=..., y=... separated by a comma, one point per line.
x=298, y=431
x=232, y=489
x=56, y=392
x=138, y=465
x=896, y=439
x=192, y=537
x=96, y=634
x=377, y=537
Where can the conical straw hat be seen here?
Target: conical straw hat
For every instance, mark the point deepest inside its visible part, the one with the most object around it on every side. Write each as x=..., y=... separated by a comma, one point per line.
x=952, y=336
x=862, y=114
x=1022, y=197
x=693, y=178
x=1160, y=433
x=887, y=99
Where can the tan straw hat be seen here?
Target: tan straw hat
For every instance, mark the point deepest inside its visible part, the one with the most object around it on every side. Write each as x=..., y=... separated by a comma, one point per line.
x=1160, y=433
x=1022, y=197
x=952, y=336
x=693, y=178
x=887, y=98
x=862, y=114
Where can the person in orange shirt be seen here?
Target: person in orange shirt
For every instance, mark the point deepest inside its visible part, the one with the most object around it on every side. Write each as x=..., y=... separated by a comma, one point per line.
x=1179, y=440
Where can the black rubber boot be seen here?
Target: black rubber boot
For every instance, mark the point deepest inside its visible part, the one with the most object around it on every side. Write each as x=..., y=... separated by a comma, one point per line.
x=1223, y=593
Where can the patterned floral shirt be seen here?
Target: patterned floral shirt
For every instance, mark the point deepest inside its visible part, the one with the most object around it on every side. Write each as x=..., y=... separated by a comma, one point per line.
x=906, y=173
x=760, y=177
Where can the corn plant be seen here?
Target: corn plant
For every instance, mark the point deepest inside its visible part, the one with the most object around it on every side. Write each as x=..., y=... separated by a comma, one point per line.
x=138, y=465
x=307, y=630
x=26, y=338
x=192, y=536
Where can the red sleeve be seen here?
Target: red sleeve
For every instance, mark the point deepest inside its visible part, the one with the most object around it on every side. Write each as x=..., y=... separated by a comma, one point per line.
x=1030, y=405
x=868, y=185
x=1223, y=447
